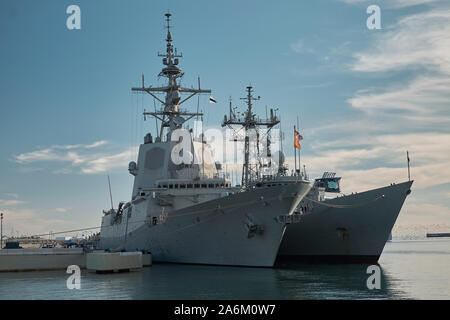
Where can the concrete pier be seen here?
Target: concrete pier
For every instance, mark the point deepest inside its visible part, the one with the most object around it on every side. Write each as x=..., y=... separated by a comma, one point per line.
x=41, y=259
x=107, y=262
x=37, y=259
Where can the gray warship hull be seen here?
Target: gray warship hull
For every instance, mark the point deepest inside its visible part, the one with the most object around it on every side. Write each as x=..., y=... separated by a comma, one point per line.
x=345, y=235
x=240, y=229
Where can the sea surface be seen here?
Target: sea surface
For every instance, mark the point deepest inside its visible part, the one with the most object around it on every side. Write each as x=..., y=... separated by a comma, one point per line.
x=418, y=269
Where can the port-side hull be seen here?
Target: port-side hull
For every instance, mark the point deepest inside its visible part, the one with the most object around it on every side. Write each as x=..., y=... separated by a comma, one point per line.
x=345, y=235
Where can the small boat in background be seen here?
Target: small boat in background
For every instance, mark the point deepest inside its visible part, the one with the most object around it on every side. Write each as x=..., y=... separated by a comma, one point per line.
x=438, y=235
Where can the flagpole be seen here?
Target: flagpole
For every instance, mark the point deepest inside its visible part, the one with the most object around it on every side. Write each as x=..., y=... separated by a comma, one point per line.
x=407, y=158
x=295, y=154
x=299, y=163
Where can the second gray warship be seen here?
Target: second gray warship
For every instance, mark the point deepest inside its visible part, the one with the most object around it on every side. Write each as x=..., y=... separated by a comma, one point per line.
x=340, y=228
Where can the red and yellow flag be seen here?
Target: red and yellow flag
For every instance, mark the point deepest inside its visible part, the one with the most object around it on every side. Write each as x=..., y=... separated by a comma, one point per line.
x=297, y=138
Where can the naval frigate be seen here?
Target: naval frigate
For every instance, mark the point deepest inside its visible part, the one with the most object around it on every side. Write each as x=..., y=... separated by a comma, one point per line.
x=340, y=228
x=187, y=211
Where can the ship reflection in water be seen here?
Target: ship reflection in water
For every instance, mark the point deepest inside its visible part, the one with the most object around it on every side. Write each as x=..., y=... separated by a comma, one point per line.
x=410, y=270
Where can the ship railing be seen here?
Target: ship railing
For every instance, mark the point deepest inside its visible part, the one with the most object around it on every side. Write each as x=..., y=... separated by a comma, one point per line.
x=255, y=118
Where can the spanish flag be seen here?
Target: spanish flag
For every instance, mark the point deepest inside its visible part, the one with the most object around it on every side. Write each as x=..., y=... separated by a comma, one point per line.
x=297, y=138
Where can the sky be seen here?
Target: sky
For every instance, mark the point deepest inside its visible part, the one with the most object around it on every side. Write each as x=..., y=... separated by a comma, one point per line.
x=68, y=116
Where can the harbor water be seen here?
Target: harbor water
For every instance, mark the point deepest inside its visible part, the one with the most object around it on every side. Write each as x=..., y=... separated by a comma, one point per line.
x=418, y=269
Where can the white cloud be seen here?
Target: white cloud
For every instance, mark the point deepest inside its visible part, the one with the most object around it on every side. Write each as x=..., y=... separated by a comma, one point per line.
x=299, y=47
x=424, y=176
x=104, y=163
x=63, y=171
x=424, y=148
x=62, y=210
x=382, y=160
x=83, y=158
x=9, y=203
x=392, y=3
x=12, y=195
x=53, y=153
x=83, y=146
x=416, y=41
x=366, y=161
x=317, y=85
x=39, y=155
x=29, y=222
x=419, y=213
x=409, y=3
x=12, y=201
x=422, y=96
x=413, y=115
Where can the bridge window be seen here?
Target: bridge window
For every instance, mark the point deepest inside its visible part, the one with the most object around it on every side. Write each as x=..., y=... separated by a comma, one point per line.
x=332, y=185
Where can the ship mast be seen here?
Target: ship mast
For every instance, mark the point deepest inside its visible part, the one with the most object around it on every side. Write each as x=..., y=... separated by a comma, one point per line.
x=171, y=115
x=250, y=122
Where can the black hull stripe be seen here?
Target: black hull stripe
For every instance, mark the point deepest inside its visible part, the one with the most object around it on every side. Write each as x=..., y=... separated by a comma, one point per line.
x=338, y=259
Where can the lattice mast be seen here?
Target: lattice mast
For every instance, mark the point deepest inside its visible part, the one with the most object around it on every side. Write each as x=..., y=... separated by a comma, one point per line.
x=171, y=116
x=249, y=122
